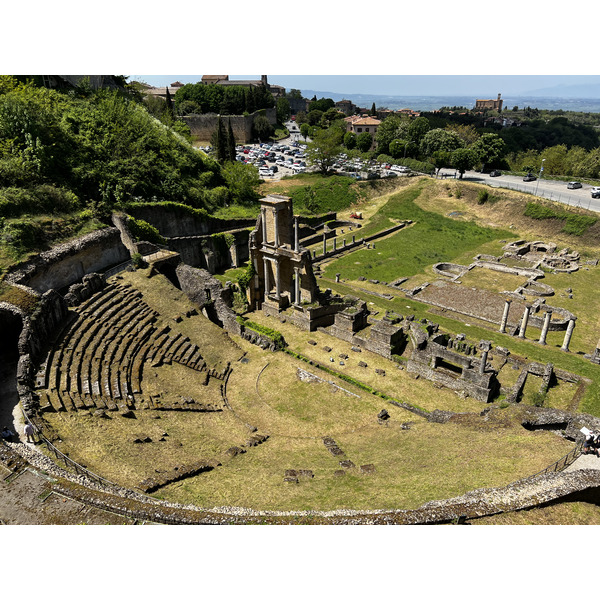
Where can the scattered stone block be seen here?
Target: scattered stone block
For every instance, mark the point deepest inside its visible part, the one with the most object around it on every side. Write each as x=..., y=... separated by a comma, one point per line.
x=380, y=372
x=306, y=473
x=234, y=451
x=347, y=464
x=312, y=342
x=367, y=469
x=355, y=349
x=329, y=441
x=291, y=473
x=327, y=349
x=384, y=415
x=290, y=480
x=362, y=364
x=339, y=473
x=335, y=450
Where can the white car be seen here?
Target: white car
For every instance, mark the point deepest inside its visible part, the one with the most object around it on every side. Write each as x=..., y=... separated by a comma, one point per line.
x=265, y=173
x=298, y=169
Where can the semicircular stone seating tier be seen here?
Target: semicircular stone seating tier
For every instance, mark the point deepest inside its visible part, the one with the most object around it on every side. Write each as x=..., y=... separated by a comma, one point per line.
x=100, y=355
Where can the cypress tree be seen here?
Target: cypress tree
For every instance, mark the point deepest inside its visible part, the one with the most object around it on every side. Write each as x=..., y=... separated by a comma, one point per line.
x=230, y=142
x=220, y=142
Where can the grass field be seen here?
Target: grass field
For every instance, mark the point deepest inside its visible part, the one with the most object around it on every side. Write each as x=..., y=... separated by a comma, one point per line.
x=414, y=460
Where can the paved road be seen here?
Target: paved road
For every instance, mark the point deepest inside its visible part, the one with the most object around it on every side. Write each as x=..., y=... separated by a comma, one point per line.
x=552, y=190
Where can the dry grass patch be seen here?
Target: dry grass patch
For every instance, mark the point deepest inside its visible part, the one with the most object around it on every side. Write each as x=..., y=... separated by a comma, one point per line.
x=396, y=383
x=493, y=281
x=426, y=462
x=106, y=446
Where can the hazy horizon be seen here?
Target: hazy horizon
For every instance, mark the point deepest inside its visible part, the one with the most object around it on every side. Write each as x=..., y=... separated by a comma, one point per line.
x=480, y=86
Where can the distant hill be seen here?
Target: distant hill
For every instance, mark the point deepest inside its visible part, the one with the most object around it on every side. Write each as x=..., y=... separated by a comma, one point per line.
x=542, y=99
x=579, y=91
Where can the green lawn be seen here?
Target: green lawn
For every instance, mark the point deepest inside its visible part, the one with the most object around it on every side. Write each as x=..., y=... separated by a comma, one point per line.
x=431, y=238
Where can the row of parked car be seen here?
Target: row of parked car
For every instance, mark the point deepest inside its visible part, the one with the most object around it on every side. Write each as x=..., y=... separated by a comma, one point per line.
x=269, y=158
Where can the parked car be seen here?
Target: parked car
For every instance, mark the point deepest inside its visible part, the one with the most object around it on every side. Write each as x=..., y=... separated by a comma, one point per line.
x=265, y=173
x=529, y=177
x=495, y=173
x=596, y=192
x=573, y=185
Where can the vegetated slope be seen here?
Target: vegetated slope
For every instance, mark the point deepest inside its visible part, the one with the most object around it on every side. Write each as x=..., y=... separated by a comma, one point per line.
x=83, y=153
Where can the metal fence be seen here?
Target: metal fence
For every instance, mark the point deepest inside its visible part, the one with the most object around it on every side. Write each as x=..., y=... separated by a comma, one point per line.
x=562, y=463
x=126, y=266
x=69, y=463
x=562, y=197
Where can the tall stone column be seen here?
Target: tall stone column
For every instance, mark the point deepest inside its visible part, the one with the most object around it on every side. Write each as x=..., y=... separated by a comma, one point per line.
x=485, y=349
x=545, y=327
x=296, y=236
x=505, y=315
x=266, y=271
x=263, y=213
x=324, y=244
x=297, y=285
x=276, y=227
x=524, y=321
x=568, y=334
x=277, y=281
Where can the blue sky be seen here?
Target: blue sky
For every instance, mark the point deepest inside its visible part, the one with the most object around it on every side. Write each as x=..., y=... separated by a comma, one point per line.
x=407, y=85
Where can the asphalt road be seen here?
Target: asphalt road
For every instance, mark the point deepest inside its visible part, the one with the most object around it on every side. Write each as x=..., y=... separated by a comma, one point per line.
x=552, y=190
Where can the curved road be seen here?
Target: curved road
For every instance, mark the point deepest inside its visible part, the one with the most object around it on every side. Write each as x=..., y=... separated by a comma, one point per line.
x=552, y=190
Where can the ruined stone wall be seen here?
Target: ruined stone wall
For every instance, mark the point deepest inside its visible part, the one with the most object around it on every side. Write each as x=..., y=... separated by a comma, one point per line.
x=68, y=263
x=208, y=293
x=210, y=253
x=173, y=222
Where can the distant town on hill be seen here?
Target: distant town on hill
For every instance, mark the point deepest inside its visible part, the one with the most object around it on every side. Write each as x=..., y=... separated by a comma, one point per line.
x=429, y=103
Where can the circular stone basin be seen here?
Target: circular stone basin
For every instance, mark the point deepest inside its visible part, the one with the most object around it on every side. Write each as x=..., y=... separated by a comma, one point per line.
x=448, y=269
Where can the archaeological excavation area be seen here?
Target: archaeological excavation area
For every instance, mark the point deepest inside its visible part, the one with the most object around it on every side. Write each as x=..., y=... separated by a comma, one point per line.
x=332, y=383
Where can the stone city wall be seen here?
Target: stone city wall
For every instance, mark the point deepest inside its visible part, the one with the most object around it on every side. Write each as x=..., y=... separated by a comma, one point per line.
x=203, y=126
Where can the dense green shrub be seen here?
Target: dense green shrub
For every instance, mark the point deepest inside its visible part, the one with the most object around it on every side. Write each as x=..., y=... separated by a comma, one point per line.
x=272, y=334
x=143, y=231
x=21, y=235
x=40, y=199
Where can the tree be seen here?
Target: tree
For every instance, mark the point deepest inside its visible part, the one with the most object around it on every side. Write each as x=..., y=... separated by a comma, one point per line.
x=463, y=159
x=314, y=117
x=323, y=104
x=329, y=116
x=373, y=111
x=219, y=142
x=489, y=147
x=283, y=110
x=304, y=130
x=467, y=133
x=350, y=140
x=242, y=180
x=261, y=128
x=441, y=159
x=439, y=139
x=230, y=142
x=324, y=148
x=402, y=148
x=391, y=128
x=364, y=141
x=417, y=129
